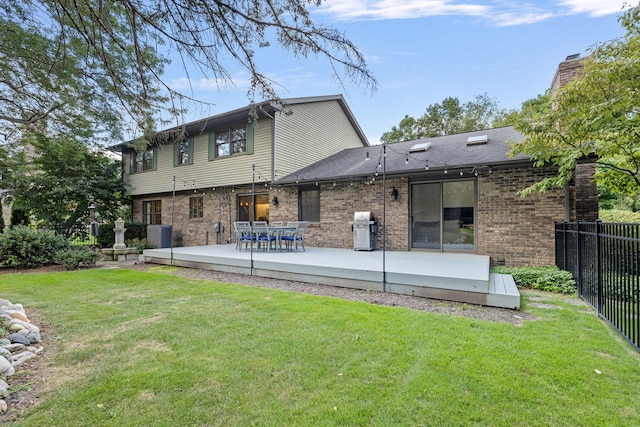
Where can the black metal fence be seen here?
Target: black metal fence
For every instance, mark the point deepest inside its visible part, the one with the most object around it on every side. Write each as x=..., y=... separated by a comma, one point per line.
x=603, y=258
x=79, y=235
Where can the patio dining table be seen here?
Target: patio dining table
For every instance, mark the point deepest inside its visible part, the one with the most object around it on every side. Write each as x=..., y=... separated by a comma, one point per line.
x=280, y=231
x=267, y=234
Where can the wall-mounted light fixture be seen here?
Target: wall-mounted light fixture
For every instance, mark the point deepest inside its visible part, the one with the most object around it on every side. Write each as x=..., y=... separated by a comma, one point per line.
x=274, y=201
x=394, y=195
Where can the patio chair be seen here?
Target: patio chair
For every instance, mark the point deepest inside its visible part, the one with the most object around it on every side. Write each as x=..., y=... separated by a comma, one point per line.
x=292, y=239
x=243, y=234
x=263, y=235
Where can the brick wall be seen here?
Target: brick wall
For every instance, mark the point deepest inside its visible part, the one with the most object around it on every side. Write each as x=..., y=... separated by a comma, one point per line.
x=510, y=228
x=513, y=229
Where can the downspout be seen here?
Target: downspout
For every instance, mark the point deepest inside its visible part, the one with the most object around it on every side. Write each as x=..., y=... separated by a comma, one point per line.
x=567, y=202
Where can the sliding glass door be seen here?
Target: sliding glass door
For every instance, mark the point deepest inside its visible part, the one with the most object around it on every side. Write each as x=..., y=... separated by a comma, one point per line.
x=443, y=215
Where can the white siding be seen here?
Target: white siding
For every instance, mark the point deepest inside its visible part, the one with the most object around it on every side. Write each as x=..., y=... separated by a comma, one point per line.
x=313, y=132
x=203, y=173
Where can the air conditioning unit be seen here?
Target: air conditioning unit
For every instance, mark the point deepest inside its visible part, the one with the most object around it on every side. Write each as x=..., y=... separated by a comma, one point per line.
x=159, y=235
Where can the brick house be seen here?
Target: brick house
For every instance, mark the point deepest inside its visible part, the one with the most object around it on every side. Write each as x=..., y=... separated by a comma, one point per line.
x=214, y=171
x=455, y=193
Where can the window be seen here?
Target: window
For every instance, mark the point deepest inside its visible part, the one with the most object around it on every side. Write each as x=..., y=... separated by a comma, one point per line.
x=152, y=212
x=145, y=161
x=259, y=213
x=309, y=204
x=196, y=205
x=233, y=141
x=183, y=152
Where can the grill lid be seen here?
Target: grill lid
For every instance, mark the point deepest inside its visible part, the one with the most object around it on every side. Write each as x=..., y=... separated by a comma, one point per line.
x=364, y=217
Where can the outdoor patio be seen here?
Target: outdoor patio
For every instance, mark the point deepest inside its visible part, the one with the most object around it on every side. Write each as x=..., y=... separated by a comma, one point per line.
x=453, y=277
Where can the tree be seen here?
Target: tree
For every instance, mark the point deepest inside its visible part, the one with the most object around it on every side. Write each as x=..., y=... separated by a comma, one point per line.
x=447, y=118
x=596, y=115
x=58, y=181
x=94, y=67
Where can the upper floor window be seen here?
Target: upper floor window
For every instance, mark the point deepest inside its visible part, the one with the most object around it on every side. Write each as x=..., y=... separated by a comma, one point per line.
x=145, y=161
x=229, y=142
x=196, y=207
x=309, y=204
x=183, y=152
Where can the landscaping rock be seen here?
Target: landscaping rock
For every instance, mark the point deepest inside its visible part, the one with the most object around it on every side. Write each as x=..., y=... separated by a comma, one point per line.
x=20, y=358
x=17, y=348
x=34, y=337
x=6, y=354
x=6, y=369
x=16, y=327
x=20, y=339
x=14, y=348
x=15, y=314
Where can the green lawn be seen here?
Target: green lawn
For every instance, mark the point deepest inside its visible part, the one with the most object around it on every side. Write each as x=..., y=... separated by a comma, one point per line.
x=136, y=348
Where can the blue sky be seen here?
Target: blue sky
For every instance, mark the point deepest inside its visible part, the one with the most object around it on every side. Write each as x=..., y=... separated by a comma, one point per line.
x=421, y=51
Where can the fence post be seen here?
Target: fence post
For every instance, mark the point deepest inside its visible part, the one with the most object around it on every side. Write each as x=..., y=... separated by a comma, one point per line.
x=564, y=246
x=599, y=263
x=579, y=255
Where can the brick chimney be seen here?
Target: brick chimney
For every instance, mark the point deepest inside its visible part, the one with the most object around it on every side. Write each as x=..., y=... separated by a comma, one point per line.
x=585, y=194
x=567, y=71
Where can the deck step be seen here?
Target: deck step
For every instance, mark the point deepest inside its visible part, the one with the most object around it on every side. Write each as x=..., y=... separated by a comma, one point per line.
x=503, y=291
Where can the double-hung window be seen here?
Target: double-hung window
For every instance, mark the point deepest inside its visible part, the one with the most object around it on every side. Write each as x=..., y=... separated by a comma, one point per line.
x=183, y=152
x=152, y=212
x=232, y=141
x=144, y=161
x=196, y=207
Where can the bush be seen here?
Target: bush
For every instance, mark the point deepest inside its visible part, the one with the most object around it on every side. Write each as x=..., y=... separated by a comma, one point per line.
x=26, y=247
x=549, y=278
x=133, y=230
x=618, y=215
x=74, y=257
x=140, y=245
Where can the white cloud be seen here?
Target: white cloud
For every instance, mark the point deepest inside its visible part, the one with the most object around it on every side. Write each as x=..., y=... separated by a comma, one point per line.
x=500, y=12
x=398, y=9
x=594, y=7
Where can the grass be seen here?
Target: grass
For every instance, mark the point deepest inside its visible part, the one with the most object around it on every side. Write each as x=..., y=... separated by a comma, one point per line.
x=139, y=348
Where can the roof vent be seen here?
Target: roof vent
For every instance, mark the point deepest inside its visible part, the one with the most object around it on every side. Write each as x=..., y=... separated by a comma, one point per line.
x=421, y=146
x=572, y=57
x=477, y=140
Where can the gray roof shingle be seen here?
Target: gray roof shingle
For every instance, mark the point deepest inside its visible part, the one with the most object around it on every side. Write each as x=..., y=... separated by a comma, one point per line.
x=446, y=152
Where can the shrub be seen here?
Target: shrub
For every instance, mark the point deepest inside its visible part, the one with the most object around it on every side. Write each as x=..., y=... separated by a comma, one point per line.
x=140, y=244
x=26, y=247
x=133, y=230
x=618, y=215
x=548, y=278
x=75, y=257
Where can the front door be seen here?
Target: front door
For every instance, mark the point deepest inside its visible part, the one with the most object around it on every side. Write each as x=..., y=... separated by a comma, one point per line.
x=443, y=215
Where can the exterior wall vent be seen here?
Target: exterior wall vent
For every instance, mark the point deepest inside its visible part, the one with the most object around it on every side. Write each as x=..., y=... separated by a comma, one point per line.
x=477, y=140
